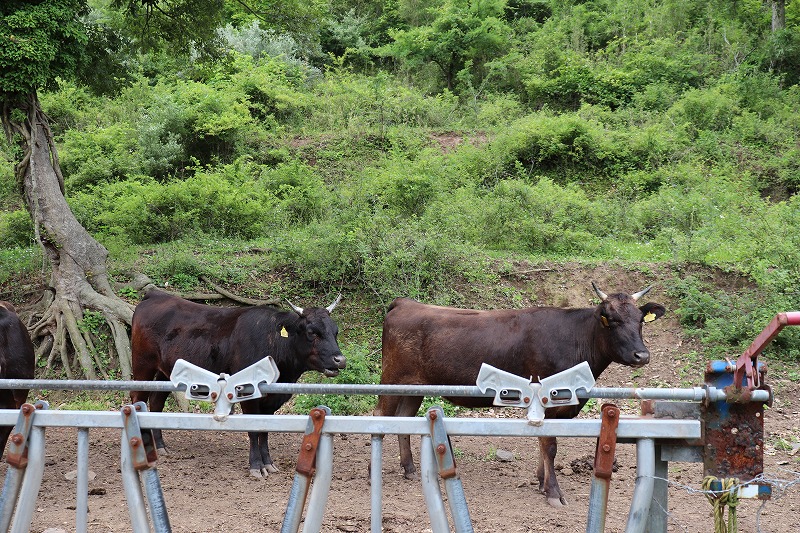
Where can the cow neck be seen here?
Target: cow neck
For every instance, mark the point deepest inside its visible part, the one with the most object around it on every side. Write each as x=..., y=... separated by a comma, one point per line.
x=599, y=353
x=290, y=365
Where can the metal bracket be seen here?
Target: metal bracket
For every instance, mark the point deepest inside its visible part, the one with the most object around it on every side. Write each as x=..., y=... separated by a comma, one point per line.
x=222, y=389
x=307, y=461
x=441, y=443
x=553, y=391
x=17, y=455
x=606, y=442
x=142, y=449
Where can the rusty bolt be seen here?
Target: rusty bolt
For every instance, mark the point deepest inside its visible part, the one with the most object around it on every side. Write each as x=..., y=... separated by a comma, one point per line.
x=137, y=407
x=440, y=449
x=544, y=400
x=309, y=447
x=27, y=409
x=213, y=395
x=316, y=413
x=17, y=439
x=136, y=442
x=433, y=415
x=611, y=413
x=126, y=410
x=526, y=399
x=606, y=448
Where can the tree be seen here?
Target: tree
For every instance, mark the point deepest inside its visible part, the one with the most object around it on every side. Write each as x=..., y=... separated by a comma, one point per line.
x=462, y=34
x=42, y=41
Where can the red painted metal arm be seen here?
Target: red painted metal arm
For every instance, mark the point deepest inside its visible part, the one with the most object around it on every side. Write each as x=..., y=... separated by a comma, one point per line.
x=749, y=359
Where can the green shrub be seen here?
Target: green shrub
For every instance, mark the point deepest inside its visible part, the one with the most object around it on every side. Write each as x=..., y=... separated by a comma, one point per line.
x=19, y=262
x=705, y=109
x=144, y=211
x=16, y=229
x=728, y=322
x=96, y=155
x=363, y=367
x=300, y=192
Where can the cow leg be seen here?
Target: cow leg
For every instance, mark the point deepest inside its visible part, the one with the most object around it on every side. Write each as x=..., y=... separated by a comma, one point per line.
x=261, y=464
x=546, y=472
x=407, y=406
x=6, y=402
x=157, y=401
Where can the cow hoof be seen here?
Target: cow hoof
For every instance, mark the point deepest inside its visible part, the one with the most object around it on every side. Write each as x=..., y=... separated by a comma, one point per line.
x=557, y=502
x=256, y=473
x=412, y=476
x=270, y=469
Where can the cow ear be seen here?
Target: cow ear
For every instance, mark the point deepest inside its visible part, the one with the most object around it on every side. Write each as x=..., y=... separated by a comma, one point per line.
x=652, y=311
x=287, y=328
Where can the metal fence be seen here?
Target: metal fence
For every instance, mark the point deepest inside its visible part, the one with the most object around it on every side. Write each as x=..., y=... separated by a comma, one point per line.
x=655, y=443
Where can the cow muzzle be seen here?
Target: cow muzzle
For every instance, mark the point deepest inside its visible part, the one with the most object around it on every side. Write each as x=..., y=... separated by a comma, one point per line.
x=340, y=361
x=640, y=359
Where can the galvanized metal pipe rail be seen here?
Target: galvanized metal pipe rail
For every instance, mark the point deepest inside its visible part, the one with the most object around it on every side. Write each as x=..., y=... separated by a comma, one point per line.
x=629, y=427
x=693, y=394
x=633, y=428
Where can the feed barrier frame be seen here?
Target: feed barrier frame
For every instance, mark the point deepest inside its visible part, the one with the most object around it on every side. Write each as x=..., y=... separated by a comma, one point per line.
x=650, y=434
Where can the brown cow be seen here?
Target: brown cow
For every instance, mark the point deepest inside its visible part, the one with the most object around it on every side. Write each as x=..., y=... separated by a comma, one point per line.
x=226, y=340
x=17, y=361
x=426, y=344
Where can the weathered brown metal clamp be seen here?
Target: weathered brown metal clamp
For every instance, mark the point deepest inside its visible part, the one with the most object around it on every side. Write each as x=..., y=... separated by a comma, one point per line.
x=606, y=442
x=307, y=461
x=143, y=450
x=440, y=440
x=17, y=455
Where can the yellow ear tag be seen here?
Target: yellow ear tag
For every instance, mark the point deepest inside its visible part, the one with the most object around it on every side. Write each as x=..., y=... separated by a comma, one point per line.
x=284, y=333
x=604, y=320
x=649, y=317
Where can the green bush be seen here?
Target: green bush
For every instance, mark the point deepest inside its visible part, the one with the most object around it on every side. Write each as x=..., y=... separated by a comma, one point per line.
x=543, y=218
x=727, y=322
x=16, y=229
x=97, y=155
x=143, y=211
x=300, y=192
x=705, y=109
x=363, y=367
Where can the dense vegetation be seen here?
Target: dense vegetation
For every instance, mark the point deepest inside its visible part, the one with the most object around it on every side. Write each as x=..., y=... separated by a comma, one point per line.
x=399, y=147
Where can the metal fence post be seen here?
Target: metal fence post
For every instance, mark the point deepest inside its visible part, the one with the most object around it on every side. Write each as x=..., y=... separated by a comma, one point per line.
x=443, y=452
x=603, y=464
x=643, y=489
x=305, y=469
x=376, y=483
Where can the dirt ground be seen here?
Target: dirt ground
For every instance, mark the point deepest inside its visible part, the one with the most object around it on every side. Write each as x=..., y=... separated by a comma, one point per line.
x=207, y=486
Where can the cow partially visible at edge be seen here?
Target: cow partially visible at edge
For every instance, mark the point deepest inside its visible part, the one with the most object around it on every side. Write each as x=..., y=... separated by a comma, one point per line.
x=432, y=345
x=17, y=361
x=166, y=328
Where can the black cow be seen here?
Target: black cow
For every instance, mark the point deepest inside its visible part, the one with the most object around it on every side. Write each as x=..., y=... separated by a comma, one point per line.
x=17, y=361
x=426, y=344
x=166, y=328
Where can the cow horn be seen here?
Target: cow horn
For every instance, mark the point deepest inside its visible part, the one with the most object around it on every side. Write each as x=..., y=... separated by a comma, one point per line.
x=641, y=293
x=298, y=310
x=603, y=296
x=331, y=307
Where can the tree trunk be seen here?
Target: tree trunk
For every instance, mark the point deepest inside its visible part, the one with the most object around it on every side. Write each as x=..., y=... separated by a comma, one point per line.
x=79, y=280
x=778, y=15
